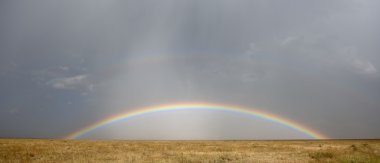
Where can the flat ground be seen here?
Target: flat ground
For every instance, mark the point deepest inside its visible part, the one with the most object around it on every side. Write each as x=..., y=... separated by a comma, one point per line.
x=36, y=150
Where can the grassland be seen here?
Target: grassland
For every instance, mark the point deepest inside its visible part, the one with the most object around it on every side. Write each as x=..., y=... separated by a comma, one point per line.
x=36, y=150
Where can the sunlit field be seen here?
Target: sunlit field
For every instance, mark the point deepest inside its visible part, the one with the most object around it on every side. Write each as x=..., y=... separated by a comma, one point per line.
x=35, y=150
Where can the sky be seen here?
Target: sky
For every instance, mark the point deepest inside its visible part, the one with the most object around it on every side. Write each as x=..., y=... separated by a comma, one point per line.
x=67, y=64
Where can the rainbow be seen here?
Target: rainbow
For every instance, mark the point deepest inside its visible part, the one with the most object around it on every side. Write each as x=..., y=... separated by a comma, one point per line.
x=197, y=106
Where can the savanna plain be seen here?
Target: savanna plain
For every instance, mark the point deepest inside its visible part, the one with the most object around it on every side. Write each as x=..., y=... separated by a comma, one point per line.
x=45, y=150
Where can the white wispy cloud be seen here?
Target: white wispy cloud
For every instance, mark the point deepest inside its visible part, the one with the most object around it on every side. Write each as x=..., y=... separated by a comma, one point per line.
x=68, y=82
x=288, y=40
x=360, y=64
x=363, y=66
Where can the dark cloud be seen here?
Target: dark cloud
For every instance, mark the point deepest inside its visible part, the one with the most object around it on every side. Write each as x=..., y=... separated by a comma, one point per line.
x=64, y=64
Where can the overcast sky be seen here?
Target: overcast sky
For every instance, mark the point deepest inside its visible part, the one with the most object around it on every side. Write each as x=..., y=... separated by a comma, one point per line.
x=67, y=64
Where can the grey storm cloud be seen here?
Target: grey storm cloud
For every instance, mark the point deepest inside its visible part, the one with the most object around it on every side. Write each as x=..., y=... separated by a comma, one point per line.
x=65, y=64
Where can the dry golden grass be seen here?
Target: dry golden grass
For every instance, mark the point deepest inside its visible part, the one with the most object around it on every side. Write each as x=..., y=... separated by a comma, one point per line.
x=34, y=150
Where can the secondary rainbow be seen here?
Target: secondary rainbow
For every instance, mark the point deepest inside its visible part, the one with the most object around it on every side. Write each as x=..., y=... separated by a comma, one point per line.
x=197, y=106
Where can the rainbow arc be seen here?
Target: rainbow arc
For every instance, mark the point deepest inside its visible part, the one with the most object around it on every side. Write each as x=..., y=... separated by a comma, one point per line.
x=198, y=106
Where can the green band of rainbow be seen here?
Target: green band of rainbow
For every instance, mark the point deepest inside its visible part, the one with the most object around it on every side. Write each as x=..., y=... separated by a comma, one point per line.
x=197, y=106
